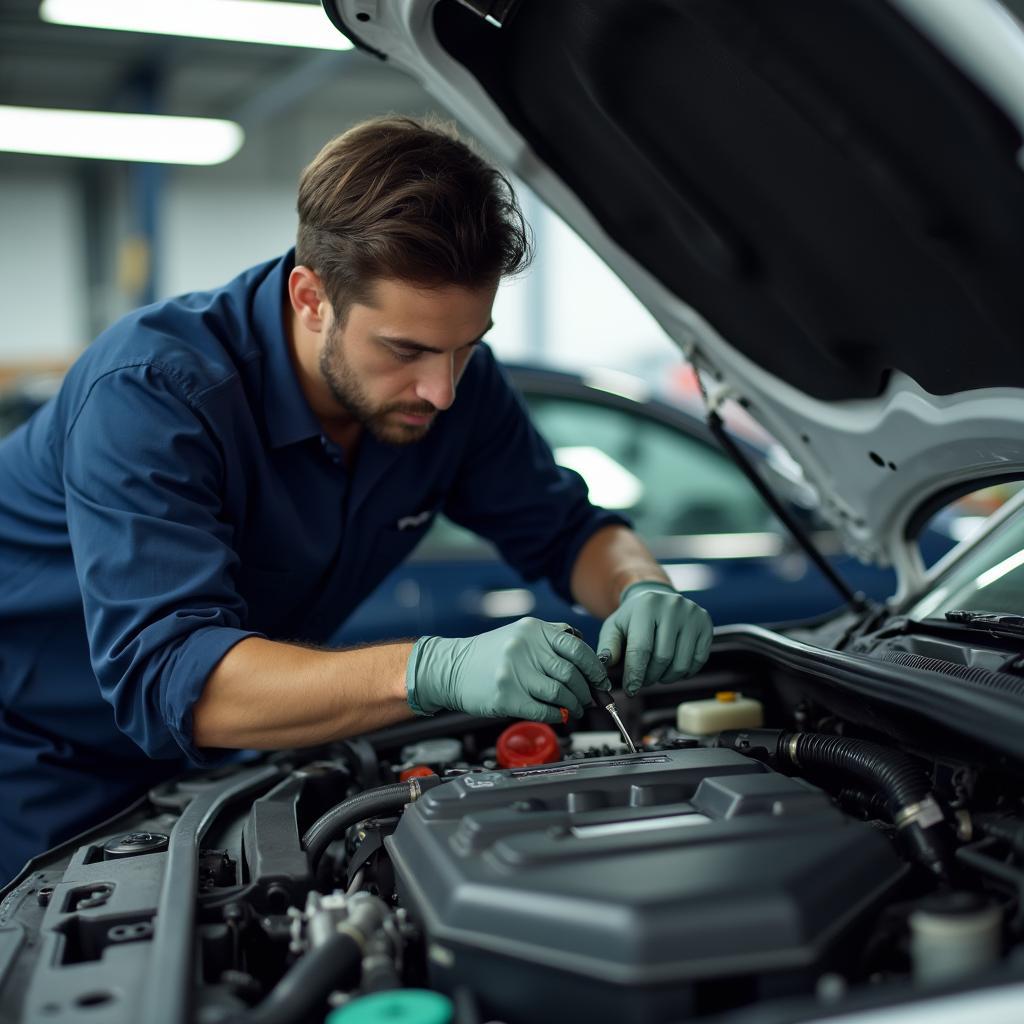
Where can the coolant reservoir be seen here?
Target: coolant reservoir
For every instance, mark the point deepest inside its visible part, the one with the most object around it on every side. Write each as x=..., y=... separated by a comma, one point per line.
x=726, y=710
x=952, y=935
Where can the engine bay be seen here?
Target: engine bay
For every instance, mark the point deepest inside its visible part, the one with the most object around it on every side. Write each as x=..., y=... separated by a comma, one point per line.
x=823, y=859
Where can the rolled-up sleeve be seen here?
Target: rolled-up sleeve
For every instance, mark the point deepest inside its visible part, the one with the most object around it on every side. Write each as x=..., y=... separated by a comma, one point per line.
x=510, y=490
x=152, y=553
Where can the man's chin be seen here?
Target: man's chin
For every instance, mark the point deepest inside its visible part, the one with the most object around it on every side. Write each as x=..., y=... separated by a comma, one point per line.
x=399, y=433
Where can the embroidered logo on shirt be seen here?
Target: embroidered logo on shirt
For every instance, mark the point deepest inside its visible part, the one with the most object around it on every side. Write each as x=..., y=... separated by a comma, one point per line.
x=411, y=522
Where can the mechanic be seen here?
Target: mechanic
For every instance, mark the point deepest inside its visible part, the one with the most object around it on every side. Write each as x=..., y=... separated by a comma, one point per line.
x=225, y=475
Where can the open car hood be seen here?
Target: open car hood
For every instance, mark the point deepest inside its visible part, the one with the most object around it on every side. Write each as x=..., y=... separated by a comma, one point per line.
x=822, y=204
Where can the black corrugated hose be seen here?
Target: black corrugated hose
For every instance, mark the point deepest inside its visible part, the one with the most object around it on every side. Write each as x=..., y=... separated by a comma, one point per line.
x=333, y=824
x=872, y=804
x=900, y=779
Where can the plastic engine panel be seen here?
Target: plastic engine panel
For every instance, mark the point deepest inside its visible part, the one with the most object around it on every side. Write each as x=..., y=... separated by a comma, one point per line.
x=634, y=888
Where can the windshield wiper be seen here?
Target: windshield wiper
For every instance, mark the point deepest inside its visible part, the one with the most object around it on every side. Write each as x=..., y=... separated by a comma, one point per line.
x=1000, y=623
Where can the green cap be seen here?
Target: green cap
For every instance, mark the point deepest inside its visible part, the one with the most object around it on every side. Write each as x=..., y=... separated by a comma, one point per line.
x=403, y=1006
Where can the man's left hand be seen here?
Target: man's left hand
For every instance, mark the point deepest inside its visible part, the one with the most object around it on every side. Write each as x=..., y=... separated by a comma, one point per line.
x=664, y=635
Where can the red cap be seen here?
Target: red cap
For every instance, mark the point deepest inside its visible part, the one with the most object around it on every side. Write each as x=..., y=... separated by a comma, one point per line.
x=527, y=743
x=416, y=772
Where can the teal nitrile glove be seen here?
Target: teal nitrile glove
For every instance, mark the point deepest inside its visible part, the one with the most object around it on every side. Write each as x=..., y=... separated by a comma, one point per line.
x=665, y=635
x=528, y=669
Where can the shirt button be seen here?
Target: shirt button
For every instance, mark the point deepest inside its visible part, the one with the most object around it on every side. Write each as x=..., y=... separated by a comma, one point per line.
x=331, y=449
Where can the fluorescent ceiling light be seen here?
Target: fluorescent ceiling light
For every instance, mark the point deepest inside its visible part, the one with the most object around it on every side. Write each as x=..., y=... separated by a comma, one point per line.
x=243, y=21
x=108, y=136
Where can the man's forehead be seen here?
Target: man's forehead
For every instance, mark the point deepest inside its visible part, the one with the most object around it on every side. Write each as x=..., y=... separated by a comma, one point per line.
x=384, y=292
x=441, y=317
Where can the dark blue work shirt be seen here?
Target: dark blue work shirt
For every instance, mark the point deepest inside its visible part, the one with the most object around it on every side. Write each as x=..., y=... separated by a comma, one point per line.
x=177, y=496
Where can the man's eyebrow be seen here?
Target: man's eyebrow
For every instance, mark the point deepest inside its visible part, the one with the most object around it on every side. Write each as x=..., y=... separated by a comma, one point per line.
x=418, y=346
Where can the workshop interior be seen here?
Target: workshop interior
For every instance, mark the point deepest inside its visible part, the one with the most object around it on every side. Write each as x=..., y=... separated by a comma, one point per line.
x=775, y=321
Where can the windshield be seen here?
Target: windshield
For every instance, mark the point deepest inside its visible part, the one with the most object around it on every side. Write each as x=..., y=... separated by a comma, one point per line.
x=989, y=578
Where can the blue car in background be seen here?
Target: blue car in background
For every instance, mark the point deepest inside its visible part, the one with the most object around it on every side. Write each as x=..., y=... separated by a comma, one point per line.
x=655, y=461
x=658, y=464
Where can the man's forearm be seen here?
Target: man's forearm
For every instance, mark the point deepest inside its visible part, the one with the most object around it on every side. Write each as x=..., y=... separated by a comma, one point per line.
x=264, y=695
x=608, y=562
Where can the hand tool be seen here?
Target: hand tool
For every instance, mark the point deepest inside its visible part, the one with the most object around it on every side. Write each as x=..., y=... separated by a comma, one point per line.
x=614, y=712
x=609, y=707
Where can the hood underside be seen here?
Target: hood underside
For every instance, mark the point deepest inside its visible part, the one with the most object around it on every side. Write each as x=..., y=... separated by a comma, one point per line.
x=822, y=203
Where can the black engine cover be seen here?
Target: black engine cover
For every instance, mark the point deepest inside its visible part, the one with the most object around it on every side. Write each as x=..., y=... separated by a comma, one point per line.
x=636, y=888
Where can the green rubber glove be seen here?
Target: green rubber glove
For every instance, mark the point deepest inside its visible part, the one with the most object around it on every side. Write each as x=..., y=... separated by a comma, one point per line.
x=665, y=635
x=527, y=669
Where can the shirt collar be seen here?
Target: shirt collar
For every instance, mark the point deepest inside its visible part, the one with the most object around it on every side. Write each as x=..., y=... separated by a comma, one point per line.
x=288, y=416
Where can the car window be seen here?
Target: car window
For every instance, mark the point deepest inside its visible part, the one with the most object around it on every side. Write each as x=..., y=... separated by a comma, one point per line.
x=988, y=578
x=962, y=519
x=669, y=483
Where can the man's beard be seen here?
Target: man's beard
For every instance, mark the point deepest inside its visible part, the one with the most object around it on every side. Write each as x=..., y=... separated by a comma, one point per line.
x=349, y=393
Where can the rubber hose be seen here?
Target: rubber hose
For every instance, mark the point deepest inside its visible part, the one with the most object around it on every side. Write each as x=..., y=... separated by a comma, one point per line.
x=329, y=826
x=901, y=780
x=309, y=981
x=899, y=777
x=872, y=804
x=333, y=963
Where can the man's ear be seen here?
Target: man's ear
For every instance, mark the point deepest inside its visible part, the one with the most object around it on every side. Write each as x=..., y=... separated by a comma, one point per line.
x=308, y=298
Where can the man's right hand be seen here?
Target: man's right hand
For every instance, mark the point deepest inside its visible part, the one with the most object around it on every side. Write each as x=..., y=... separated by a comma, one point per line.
x=528, y=669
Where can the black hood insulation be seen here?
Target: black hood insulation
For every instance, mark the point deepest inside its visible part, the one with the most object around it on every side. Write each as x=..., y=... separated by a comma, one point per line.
x=816, y=179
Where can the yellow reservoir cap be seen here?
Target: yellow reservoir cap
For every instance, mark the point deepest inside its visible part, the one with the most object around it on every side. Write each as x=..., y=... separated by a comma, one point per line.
x=726, y=710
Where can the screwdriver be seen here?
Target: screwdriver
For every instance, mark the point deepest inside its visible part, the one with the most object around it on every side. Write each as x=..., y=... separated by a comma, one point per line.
x=612, y=710
x=610, y=706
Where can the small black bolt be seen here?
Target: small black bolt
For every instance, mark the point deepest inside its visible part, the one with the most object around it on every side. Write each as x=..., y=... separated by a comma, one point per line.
x=43, y=896
x=278, y=898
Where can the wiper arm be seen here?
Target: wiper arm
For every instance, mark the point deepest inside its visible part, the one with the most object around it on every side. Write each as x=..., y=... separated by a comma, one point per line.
x=1001, y=623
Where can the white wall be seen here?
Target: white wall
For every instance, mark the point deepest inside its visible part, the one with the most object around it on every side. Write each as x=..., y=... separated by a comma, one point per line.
x=568, y=310
x=211, y=232
x=586, y=316
x=42, y=274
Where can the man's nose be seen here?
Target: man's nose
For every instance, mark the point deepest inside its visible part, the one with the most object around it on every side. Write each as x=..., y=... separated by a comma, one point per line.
x=437, y=383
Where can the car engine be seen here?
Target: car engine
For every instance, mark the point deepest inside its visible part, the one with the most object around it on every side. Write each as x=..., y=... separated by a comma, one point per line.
x=634, y=886
x=523, y=876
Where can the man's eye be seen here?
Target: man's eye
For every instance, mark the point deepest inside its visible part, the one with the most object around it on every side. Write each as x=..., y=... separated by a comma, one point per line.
x=403, y=356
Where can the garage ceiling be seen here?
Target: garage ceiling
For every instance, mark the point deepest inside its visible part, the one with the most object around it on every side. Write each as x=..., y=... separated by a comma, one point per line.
x=261, y=86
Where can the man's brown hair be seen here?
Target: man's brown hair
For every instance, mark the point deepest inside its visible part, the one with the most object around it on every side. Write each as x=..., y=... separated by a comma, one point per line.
x=401, y=198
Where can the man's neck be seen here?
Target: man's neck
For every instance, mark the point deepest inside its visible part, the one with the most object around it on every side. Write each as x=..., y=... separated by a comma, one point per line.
x=341, y=428
x=347, y=436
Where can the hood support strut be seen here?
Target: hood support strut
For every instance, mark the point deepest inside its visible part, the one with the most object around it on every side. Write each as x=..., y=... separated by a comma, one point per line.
x=857, y=601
